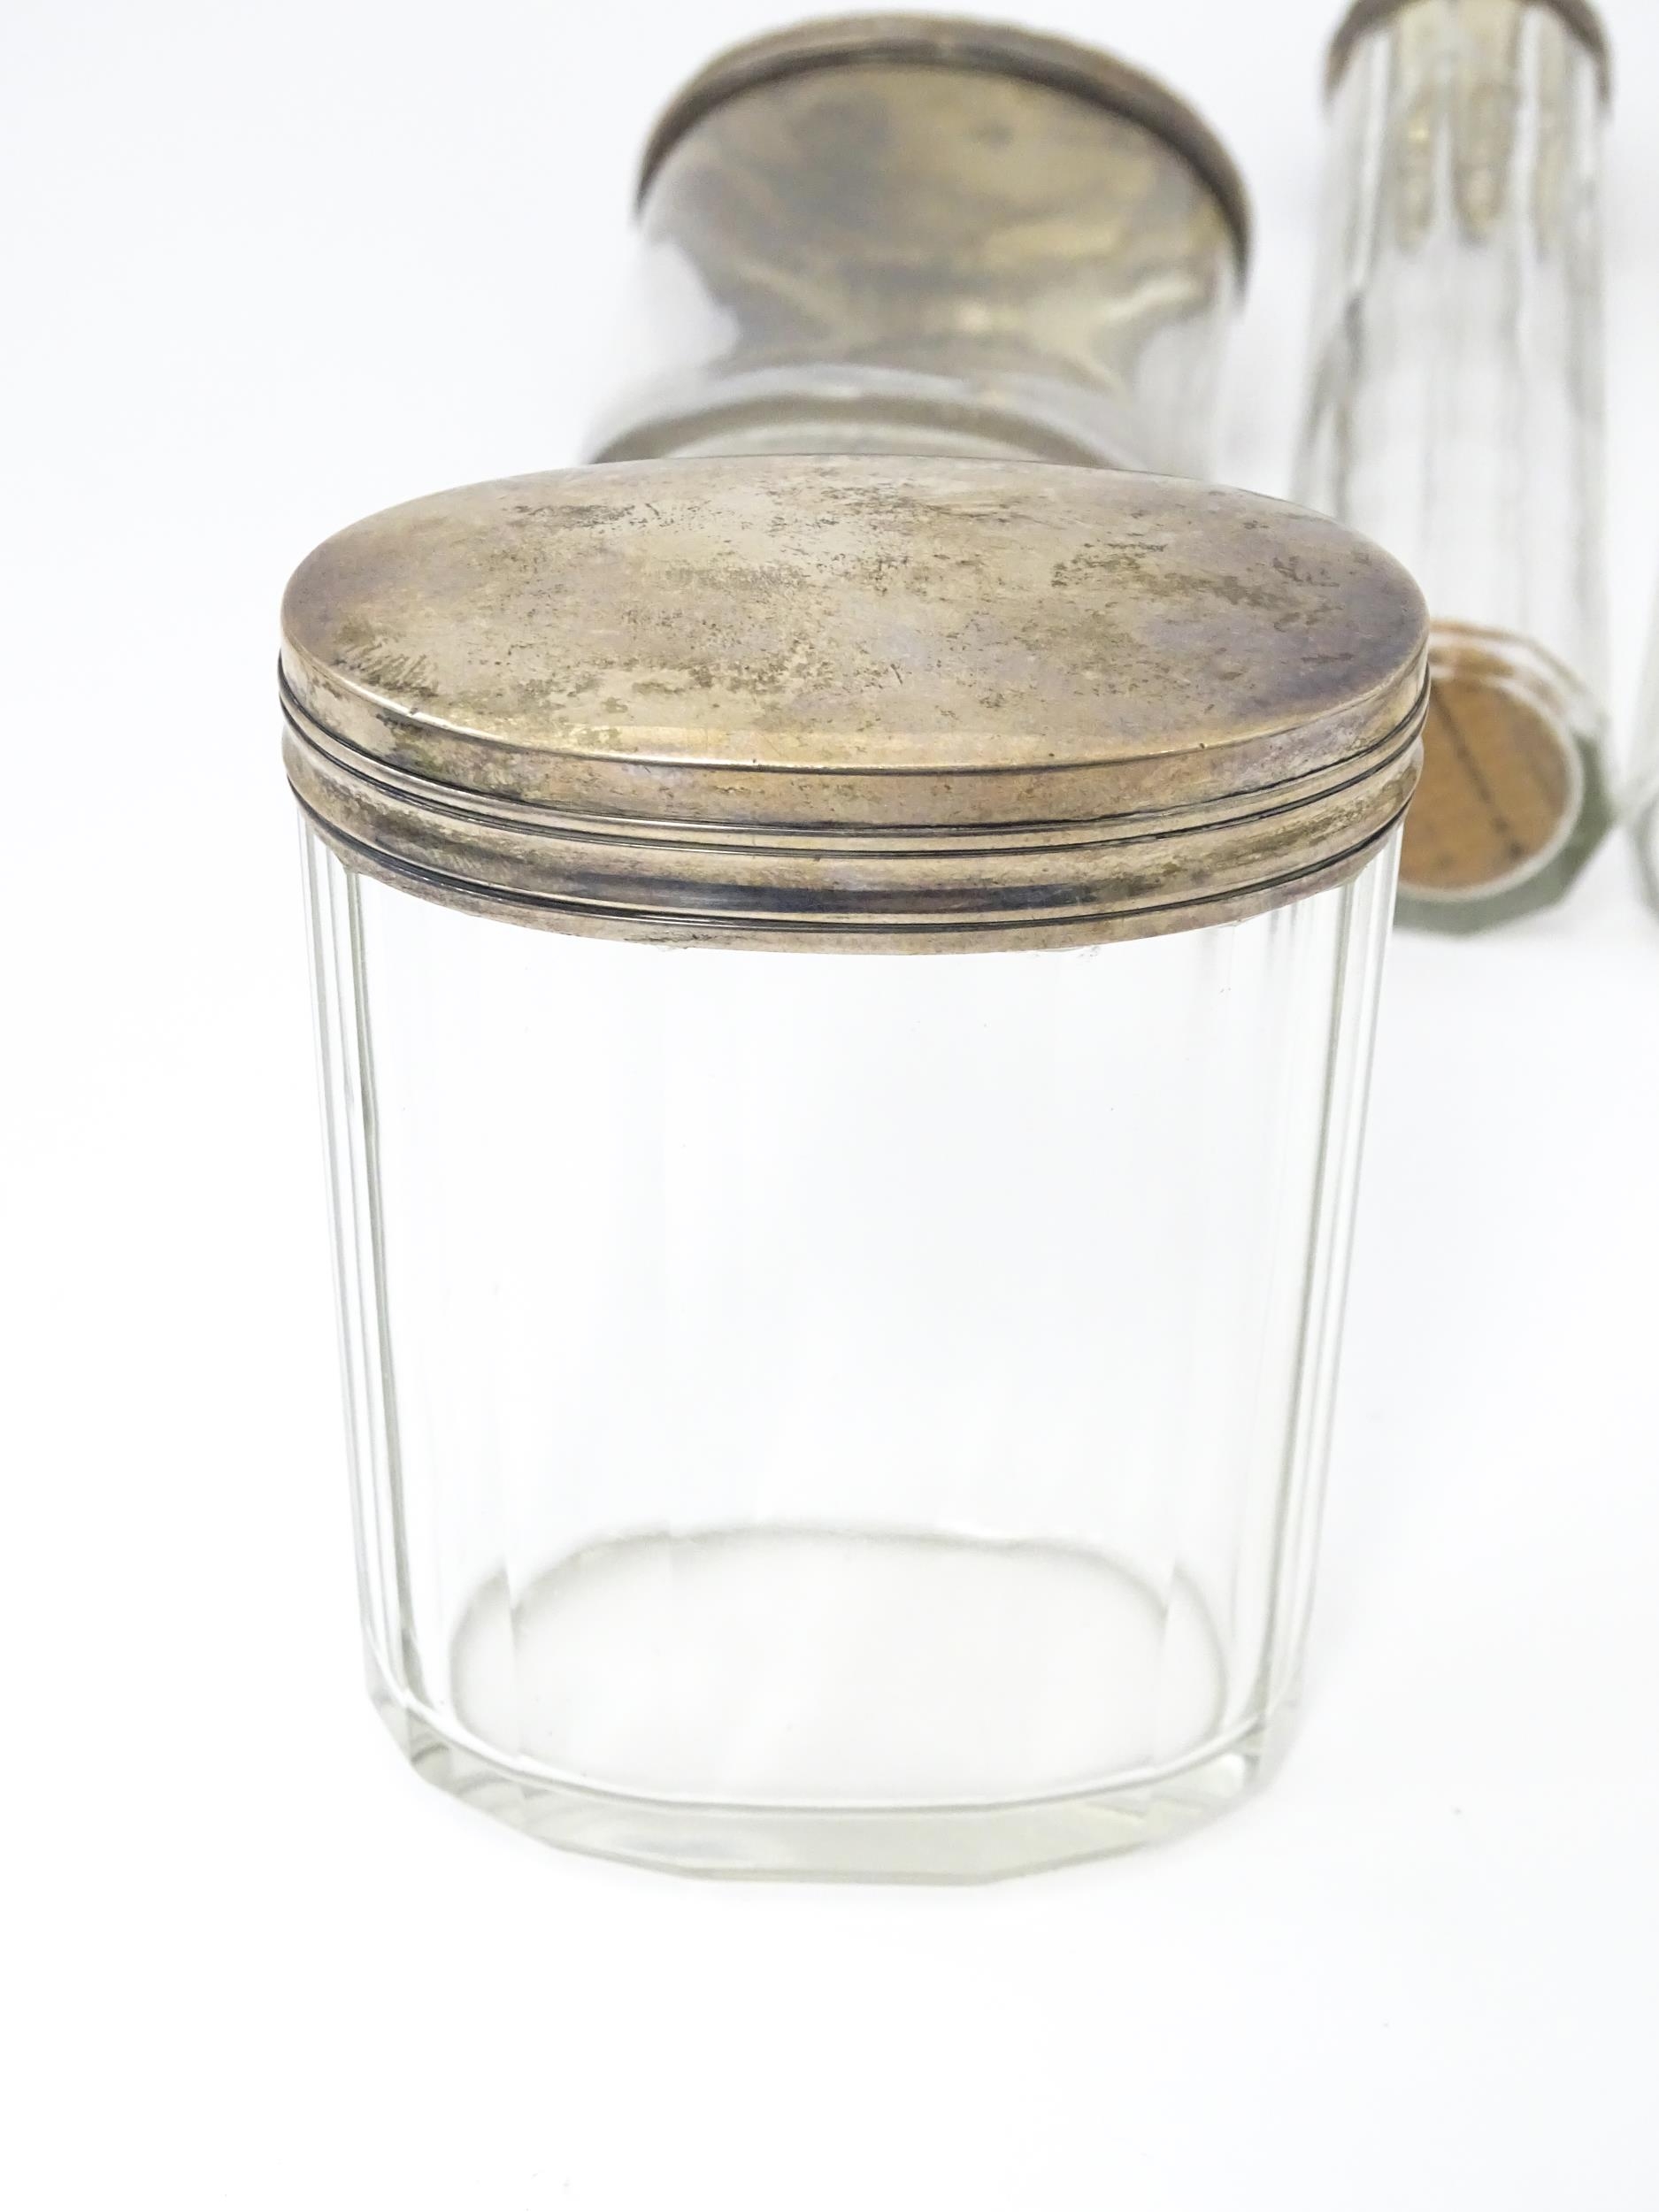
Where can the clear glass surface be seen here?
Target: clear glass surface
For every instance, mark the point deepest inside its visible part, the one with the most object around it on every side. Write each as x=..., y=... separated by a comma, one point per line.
x=1644, y=790
x=911, y=259
x=858, y=1415
x=1455, y=415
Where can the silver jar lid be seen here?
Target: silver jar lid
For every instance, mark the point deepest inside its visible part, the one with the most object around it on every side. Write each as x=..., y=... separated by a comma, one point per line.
x=928, y=705
x=1579, y=17
x=959, y=43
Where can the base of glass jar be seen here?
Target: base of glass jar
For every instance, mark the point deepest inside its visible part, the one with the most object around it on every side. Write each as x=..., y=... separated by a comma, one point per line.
x=1514, y=799
x=984, y=1844
x=1468, y=913
x=838, y=1705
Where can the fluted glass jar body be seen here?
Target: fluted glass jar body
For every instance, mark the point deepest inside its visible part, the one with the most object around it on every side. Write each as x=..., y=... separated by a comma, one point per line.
x=1455, y=415
x=900, y=256
x=840, y=1414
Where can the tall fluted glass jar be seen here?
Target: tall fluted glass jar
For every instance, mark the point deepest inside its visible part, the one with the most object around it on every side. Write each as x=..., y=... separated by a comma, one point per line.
x=1455, y=415
x=846, y=990
x=913, y=235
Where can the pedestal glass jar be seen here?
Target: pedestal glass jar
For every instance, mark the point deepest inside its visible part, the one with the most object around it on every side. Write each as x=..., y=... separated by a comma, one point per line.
x=912, y=234
x=1456, y=414
x=846, y=989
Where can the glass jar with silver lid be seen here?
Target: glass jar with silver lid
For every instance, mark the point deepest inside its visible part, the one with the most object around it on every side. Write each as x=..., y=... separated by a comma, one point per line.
x=846, y=985
x=917, y=234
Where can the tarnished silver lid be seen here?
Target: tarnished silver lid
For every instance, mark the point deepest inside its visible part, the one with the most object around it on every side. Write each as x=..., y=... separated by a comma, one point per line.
x=929, y=705
x=1579, y=17
x=959, y=43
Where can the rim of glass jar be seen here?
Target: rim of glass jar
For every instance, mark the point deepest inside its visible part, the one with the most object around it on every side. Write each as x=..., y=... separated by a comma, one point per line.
x=1367, y=15
x=962, y=44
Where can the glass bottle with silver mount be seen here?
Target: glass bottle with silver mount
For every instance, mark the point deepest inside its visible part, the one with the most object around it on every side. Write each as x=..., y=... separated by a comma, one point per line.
x=846, y=986
x=914, y=235
x=1456, y=414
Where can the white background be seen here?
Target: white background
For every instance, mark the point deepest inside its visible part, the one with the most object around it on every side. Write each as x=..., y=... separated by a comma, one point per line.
x=267, y=268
